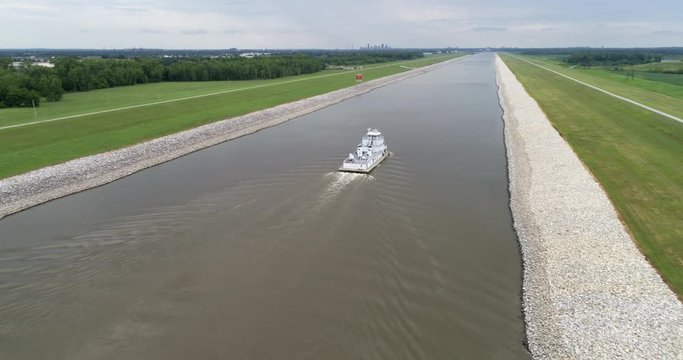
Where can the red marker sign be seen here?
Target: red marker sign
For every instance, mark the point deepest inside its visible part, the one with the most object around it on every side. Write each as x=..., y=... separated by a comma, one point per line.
x=359, y=77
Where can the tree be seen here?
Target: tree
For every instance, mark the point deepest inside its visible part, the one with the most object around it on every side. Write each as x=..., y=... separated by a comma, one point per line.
x=22, y=97
x=45, y=81
x=5, y=62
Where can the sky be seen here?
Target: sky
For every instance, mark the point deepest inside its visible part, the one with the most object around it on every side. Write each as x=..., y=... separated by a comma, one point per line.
x=341, y=24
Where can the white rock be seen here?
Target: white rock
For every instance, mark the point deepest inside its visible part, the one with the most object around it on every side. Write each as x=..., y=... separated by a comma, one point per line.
x=588, y=292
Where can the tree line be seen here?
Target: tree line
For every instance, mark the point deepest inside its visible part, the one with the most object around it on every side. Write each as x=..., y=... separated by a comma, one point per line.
x=238, y=68
x=612, y=58
x=27, y=85
x=364, y=57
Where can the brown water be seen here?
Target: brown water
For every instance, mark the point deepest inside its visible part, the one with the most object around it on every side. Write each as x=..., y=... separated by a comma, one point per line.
x=258, y=249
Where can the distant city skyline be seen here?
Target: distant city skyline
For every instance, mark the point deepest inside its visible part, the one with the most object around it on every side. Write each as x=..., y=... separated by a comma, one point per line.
x=205, y=24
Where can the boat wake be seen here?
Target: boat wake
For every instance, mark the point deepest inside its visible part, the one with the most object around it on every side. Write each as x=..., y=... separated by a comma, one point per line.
x=339, y=181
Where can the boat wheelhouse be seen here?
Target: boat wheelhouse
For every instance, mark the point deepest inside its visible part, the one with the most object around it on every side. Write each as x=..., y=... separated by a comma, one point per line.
x=369, y=153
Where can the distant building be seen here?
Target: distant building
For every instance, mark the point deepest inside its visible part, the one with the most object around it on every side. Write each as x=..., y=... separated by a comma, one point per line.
x=18, y=64
x=250, y=55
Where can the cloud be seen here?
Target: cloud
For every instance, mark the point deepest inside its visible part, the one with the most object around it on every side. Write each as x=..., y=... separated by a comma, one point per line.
x=153, y=31
x=667, y=32
x=536, y=27
x=488, y=28
x=232, y=31
x=345, y=24
x=26, y=7
x=422, y=15
x=194, y=32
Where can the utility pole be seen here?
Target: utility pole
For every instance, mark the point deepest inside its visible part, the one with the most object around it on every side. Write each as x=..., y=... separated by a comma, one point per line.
x=35, y=114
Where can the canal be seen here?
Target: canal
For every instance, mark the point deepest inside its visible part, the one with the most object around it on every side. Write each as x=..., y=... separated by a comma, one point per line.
x=258, y=249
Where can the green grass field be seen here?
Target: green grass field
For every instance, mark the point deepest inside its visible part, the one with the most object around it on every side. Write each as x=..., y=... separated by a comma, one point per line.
x=104, y=99
x=33, y=146
x=675, y=79
x=635, y=154
x=664, y=67
x=660, y=95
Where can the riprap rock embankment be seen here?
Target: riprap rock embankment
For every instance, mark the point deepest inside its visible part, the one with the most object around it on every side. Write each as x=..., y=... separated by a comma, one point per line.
x=588, y=292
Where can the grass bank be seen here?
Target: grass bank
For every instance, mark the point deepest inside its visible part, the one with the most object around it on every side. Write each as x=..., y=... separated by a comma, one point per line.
x=635, y=154
x=34, y=146
x=675, y=79
x=674, y=67
x=661, y=95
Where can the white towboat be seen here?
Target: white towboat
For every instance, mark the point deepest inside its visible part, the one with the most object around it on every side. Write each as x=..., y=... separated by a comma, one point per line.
x=369, y=153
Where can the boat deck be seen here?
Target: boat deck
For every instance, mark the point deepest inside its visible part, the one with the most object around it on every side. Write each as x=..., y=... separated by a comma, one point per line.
x=368, y=170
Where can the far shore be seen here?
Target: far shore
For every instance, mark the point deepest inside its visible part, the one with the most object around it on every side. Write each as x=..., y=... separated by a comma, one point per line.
x=36, y=187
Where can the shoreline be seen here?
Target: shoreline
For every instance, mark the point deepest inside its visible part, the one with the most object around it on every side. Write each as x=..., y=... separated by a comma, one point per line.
x=26, y=190
x=587, y=290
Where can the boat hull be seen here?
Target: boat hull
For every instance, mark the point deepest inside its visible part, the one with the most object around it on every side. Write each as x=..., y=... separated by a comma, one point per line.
x=367, y=170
